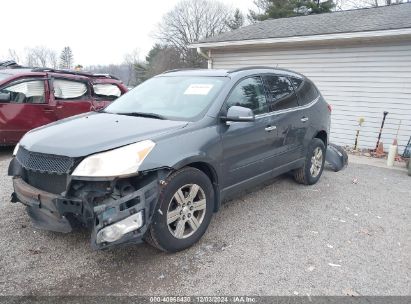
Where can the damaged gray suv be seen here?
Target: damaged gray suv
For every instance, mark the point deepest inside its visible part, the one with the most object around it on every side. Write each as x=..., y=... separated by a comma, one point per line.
x=157, y=163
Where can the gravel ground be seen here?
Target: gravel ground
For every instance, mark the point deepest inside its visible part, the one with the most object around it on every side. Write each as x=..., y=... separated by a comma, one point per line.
x=333, y=238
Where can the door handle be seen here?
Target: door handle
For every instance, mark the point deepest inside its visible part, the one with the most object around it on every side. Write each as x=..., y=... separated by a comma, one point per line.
x=270, y=128
x=304, y=119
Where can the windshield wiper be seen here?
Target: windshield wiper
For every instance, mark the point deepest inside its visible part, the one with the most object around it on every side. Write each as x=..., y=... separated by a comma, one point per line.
x=142, y=114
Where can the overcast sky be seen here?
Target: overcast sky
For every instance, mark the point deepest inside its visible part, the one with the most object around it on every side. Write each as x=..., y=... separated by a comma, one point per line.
x=98, y=31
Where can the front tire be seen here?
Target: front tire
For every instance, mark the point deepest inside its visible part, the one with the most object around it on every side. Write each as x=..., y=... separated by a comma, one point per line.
x=185, y=209
x=313, y=166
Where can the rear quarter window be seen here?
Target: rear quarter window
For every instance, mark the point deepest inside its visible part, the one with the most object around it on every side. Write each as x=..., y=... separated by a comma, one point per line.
x=280, y=92
x=305, y=89
x=106, y=91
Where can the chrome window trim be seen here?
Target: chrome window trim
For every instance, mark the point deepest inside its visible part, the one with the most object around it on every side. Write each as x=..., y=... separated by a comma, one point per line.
x=308, y=105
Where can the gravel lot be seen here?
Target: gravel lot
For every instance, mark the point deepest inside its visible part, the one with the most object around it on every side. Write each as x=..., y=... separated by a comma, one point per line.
x=333, y=238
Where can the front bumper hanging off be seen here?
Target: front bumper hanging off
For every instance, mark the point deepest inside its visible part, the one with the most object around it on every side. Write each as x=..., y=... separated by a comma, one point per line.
x=49, y=211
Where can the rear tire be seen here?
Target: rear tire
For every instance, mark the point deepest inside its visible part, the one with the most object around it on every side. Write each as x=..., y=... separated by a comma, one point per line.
x=313, y=166
x=184, y=211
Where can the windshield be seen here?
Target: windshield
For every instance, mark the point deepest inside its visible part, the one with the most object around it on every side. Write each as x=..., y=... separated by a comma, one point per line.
x=174, y=98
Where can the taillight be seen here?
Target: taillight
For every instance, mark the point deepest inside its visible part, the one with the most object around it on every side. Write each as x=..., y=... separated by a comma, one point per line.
x=329, y=107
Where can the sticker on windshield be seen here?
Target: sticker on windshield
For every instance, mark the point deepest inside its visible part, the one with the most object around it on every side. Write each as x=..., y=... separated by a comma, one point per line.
x=198, y=89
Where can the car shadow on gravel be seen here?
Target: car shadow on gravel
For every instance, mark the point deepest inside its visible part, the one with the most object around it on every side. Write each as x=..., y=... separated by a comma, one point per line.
x=6, y=152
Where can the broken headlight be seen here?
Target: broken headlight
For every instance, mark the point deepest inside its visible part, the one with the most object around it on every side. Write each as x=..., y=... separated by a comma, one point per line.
x=117, y=230
x=118, y=162
x=16, y=148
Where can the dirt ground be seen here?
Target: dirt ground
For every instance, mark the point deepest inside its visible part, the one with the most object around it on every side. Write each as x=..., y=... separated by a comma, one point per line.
x=348, y=234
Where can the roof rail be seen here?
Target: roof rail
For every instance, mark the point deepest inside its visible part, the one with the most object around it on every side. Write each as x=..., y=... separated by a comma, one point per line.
x=170, y=71
x=71, y=72
x=250, y=68
x=9, y=64
x=181, y=69
x=105, y=75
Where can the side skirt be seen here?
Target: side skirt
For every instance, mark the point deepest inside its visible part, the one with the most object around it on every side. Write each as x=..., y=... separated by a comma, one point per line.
x=231, y=191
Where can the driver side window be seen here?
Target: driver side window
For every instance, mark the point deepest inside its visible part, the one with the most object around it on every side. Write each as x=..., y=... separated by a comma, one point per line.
x=30, y=91
x=249, y=93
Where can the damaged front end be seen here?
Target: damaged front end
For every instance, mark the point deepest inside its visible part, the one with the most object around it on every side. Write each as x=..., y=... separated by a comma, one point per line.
x=117, y=210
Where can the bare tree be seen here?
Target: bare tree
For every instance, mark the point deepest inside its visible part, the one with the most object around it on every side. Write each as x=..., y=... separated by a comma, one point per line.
x=41, y=56
x=190, y=21
x=53, y=61
x=12, y=54
x=31, y=60
x=126, y=71
x=347, y=4
x=131, y=61
x=385, y=2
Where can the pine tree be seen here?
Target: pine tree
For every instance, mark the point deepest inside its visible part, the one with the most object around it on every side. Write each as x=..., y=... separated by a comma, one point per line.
x=237, y=21
x=66, y=58
x=273, y=9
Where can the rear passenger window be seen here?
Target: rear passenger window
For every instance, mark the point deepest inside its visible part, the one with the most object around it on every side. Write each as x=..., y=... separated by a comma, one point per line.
x=280, y=92
x=306, y=91
x=249, y=93
x=106, y=91
x=69, y=89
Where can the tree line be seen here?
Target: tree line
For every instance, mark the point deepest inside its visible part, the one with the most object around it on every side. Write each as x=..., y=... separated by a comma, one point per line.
x=190, y=21
x=41, y=56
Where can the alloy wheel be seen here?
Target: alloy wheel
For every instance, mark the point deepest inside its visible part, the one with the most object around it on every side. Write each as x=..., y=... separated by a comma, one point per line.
x=186, y=211
x=316, y=162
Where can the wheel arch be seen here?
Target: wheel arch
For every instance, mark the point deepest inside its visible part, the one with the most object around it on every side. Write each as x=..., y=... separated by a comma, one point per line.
x=322, y=135
x=208, y=169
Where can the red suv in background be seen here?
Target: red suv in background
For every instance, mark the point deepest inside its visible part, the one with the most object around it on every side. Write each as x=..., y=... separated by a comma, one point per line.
x=32, y=97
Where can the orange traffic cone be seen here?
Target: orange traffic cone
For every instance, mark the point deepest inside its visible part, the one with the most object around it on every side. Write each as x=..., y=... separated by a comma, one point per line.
x=380, y=150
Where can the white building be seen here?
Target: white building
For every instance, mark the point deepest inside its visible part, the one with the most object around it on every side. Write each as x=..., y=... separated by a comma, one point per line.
x=360, y=60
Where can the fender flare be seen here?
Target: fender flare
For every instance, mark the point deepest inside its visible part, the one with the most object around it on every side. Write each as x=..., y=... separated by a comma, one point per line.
x=195, y=161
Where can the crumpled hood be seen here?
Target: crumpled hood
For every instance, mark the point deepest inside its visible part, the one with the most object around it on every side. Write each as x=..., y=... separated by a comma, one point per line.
x=89, y=133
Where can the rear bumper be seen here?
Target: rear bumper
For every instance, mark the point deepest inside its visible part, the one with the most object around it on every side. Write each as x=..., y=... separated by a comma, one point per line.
x=48, y=211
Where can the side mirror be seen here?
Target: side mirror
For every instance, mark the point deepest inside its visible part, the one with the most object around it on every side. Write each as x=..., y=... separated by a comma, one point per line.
x=237, y=113
x=5, y=96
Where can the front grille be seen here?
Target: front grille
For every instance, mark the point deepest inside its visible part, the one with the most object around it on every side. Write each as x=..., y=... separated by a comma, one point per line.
x=46, y=172
x=53, y=183
x=41, y=162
